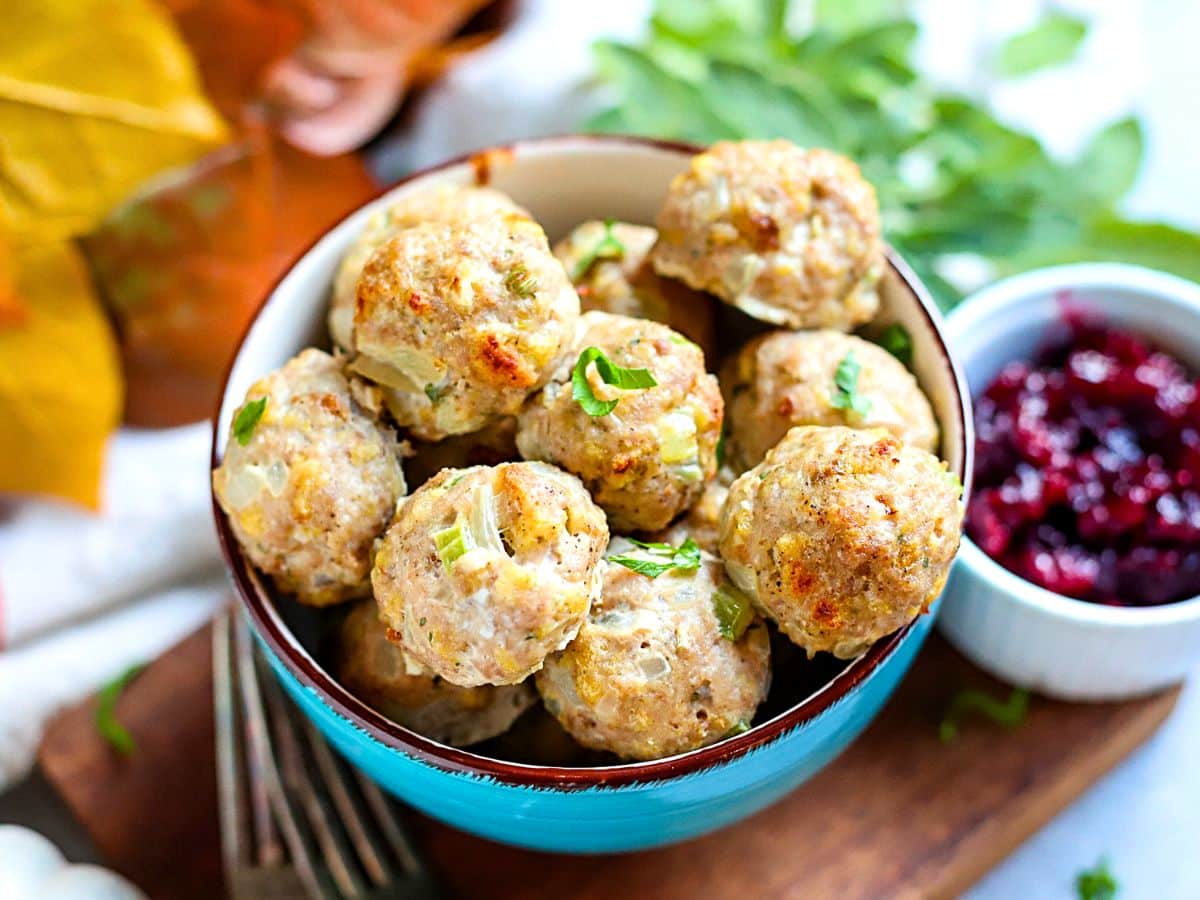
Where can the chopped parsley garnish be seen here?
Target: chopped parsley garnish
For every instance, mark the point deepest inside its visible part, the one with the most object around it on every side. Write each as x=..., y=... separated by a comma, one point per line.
x=845, y=380
x=1010, y=713
x=608, y=247
x=247, y=418
x=733, y=610
x=434, y=391
x=657, y=558
x=106, y=720
x=897, y=341
x=611, y=374
x=520, y=282
x=1096, y=883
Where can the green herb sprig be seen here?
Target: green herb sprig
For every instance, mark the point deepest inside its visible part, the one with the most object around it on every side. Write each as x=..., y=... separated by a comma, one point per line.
x=1010, y=713
x=246, y=420
x=610, y=374
x=845, y=380
x=1096, y=883
x=951, y=178
x=608, y=247
x=117, y=736
x=733, y=610
x=658, y=558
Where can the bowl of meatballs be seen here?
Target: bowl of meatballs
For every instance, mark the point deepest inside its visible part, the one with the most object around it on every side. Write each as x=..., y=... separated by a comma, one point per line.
x=591, y=493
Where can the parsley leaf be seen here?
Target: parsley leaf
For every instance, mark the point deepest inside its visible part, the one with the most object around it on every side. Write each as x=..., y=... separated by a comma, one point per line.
x=247, y=418
x=1009, y=713
x=1096, y=883
x=608, y=247
x=1051, y=42
x=657, y=558
x=952, y=180
x=845, y=380
x=896, y=340
x=106, y=720
x=611, y=374
x=733, y=611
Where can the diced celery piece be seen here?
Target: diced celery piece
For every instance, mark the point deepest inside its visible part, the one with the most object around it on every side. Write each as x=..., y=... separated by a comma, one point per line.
x=452, y=543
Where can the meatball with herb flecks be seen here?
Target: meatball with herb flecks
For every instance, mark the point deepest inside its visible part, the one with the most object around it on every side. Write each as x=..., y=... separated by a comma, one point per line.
x=789, y=378
x=634, y=414
x=376, y=671
x=609, y=263
x=444, y=203
x=309, y=481
x=787, y=235
x=459, y=323
x=664, y=664
x=842, y=535
x=487, y=570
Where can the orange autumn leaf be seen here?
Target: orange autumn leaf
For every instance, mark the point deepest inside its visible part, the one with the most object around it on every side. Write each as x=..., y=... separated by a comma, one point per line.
x=183, y=267
x=60, y=383
x=95, y=97
x=12, y=310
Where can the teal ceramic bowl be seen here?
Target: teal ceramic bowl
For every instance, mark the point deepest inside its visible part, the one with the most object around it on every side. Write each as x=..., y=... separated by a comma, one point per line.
x=608, y=807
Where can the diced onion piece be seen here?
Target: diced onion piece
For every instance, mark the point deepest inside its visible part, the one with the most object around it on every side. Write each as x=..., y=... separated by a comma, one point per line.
x=733, y=610
x=244, y=485
x=677, y=437
x=484, y=528
x=382, y=373
x=655, y=666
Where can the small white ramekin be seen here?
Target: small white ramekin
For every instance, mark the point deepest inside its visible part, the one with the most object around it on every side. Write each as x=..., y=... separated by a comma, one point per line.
x=1014, y=629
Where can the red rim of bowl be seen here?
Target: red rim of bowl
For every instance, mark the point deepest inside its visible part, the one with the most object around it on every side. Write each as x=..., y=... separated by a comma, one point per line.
x=271, y=628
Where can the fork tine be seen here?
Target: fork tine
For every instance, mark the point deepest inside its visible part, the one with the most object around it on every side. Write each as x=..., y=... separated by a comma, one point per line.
x=303, y=783
x=231, y=789
x=257, y=750
x=369, y=852
x=396, y=834
x=271, y=786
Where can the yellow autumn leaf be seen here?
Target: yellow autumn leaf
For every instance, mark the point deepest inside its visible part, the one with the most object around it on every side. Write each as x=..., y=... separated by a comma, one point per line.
x=60, y=380
x=96, y=96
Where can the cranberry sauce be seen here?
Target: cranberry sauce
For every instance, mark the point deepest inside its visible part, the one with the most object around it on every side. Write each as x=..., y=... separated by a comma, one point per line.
x=1087, y=469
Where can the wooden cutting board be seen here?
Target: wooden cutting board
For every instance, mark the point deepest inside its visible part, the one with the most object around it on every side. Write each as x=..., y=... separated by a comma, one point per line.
x=899, y=814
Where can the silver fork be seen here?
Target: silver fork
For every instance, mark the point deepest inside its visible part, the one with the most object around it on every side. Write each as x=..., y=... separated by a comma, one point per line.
x=296, y=821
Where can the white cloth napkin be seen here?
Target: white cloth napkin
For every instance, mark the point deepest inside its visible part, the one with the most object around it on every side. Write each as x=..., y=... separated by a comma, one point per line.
x=84, y=596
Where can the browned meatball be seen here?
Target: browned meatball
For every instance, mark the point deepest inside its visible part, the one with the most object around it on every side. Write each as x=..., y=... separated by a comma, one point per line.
x=376, y=671
x=461, y=322
x=842, y=535
x=789, y=378
x=649, y=457
x=787, y=235
x=309, y=481
x=609, y=262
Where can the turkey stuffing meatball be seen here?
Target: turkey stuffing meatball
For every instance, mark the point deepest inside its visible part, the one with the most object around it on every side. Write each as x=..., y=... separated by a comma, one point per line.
x=787, y=235
x=789, y=378
x=309, y=481
x=663, y=665
x=842, y=535
x=610, y=267
x=646, y=458
x=459, y=323
x=486, y=571
x=375, y=670
x=702, y=522
x=444, y=203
